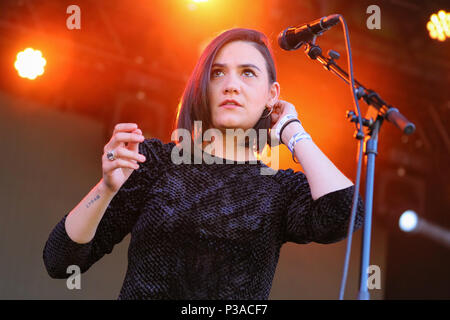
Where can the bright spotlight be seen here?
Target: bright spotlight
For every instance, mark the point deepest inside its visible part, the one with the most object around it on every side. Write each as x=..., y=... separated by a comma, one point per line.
x=439, y=25
x=30, y=63
x=408, y=221
x=193, y=4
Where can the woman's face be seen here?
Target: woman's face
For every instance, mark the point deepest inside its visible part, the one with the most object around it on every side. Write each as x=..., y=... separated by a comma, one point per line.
x=239, y=73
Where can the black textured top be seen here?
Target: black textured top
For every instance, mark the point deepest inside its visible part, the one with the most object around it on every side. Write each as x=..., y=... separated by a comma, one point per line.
x=204, y=231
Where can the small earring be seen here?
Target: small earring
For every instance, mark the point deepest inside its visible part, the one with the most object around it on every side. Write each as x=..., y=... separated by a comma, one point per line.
x=271, y=109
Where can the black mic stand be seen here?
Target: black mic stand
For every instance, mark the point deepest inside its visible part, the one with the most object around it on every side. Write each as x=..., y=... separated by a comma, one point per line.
x=378, y=111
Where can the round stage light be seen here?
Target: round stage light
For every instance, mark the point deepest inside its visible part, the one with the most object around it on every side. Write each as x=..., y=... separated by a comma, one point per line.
x=408, y=221
x=30, y=63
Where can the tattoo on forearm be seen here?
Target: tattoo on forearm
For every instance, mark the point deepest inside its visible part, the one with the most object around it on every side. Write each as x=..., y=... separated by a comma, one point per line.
x=92, y=201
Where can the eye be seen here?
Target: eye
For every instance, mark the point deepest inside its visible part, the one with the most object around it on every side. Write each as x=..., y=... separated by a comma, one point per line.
x=249, y=71
x=215, y=73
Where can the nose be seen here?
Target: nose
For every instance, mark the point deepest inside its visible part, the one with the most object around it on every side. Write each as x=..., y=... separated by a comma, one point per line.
x=231, y=85
x=231, y=89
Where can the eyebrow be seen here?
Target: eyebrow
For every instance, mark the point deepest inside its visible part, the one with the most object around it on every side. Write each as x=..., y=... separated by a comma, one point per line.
x=240, y=66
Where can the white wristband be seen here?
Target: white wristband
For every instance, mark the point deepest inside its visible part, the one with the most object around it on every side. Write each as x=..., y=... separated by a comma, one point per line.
x=296, y=138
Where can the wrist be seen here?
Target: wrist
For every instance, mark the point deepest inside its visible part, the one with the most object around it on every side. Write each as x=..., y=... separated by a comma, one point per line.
x=291, y=129
x=104, y=189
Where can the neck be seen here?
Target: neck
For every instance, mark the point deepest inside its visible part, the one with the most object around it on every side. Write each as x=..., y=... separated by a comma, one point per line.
x=230, y=147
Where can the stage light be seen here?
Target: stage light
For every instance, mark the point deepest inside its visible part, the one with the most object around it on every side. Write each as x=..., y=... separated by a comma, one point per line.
x=30, y=63
x=193, y=4
x=439, y=25
x=408, y=221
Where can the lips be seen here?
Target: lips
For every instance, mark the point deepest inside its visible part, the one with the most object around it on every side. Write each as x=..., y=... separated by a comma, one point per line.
x=230, y=102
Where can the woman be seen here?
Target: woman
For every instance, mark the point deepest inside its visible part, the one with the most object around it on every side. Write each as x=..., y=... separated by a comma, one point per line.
x=208, y=230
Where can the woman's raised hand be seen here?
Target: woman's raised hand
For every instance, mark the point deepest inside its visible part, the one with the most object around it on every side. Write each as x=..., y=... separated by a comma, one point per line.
x=281, y=108
x=125, y=144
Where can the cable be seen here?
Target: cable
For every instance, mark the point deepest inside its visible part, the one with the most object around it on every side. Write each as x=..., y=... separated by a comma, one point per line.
x=358, y=171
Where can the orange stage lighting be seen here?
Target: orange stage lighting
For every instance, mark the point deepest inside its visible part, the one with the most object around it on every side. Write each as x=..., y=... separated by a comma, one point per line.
x=30, y=63
x=439, y=25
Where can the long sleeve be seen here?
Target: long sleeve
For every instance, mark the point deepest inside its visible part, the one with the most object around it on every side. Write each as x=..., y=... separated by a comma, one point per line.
x=118, y=220
x=324, y=220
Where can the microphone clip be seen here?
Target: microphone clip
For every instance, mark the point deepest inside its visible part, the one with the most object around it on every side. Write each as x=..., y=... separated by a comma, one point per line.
x=312, y=50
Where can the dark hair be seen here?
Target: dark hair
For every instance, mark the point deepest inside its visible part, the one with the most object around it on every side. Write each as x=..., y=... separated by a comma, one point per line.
x=194, y=104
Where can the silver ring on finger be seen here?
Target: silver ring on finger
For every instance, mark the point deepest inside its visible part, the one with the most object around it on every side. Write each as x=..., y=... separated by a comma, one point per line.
x=110, y=155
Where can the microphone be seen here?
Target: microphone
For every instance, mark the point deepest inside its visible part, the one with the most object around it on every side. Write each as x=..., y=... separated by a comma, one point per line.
x=293, y=38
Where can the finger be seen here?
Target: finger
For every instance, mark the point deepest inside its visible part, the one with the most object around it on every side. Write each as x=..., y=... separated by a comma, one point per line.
x=134, y=146
x=276, y=114
x=128, y=154
x=278, y=109
x=124, y=127
x=119, y=163
x=122, y=137
x=278, y=105
x=274, y=118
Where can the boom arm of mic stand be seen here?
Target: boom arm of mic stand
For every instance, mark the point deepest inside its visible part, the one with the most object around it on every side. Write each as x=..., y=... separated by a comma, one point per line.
x=388, y=112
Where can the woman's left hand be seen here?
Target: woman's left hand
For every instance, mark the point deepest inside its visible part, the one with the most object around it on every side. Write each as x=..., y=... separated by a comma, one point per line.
x=281, y=108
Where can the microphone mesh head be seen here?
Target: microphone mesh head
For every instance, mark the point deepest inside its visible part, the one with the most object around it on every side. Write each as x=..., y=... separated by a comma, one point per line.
x=282, y=42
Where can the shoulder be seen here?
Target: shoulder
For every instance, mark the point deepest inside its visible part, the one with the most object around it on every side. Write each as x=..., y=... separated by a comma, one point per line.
x=157, y=144
x=156, y=150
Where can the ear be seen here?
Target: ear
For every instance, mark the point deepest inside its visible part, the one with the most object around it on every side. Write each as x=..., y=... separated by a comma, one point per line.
x=274, y=93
